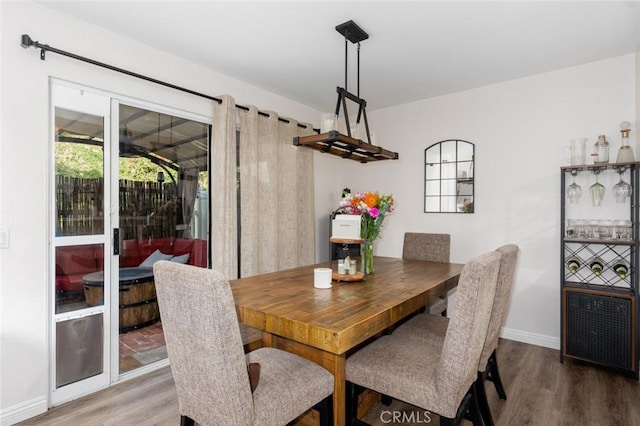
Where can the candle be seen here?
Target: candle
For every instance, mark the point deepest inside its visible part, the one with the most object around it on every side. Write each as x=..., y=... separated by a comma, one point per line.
x=328, y=122
x=322, y=278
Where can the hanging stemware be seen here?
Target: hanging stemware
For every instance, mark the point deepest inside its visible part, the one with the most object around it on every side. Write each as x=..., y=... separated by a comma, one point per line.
x=574, y=191
x=597, y=191
x=622, y=189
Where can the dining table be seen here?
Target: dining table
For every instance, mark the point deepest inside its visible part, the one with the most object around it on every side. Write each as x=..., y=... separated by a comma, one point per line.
x=327, y=325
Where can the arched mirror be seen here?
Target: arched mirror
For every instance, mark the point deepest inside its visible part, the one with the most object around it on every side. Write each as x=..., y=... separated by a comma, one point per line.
x=448, y=177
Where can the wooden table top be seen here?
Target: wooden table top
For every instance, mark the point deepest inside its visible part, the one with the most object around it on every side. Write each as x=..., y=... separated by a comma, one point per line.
x=286, y=303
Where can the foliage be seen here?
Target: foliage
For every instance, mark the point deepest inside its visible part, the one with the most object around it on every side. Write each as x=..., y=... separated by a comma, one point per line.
x=78, y=160
x=86, y=161
x=467, y=206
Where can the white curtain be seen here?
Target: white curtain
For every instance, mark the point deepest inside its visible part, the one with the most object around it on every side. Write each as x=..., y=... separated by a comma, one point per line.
x=189, y=180
x=276, y=195
x=224, y=237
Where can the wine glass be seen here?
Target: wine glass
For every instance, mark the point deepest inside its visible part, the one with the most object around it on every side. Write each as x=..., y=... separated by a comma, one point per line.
x=574, y=191
x=622, y=189
x=597, y=191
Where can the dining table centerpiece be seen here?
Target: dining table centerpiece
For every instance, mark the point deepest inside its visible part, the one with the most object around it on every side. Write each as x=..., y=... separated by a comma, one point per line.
x=372, y=207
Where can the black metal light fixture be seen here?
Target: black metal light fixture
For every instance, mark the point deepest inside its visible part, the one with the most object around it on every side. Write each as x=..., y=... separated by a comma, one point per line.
x=335, y=143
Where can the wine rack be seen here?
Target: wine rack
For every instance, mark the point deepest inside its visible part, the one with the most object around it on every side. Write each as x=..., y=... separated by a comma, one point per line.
x=599, y=279
x=582, y=255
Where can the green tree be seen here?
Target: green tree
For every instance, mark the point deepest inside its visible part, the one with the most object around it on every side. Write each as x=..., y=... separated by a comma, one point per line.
x=86, y=161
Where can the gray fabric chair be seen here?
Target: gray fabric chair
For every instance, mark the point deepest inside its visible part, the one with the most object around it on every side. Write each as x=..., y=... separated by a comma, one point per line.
x=433, y=328
x=437, y=378
x=433, y=248
x=210, y=368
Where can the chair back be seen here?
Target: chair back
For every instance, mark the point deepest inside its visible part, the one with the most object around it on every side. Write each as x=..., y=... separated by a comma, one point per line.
x=506, y=277
x=428, y=247
x=204, y=344
x=467, y=328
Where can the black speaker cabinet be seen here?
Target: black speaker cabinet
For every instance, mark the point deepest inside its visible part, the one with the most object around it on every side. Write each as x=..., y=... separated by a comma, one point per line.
x=599, y=327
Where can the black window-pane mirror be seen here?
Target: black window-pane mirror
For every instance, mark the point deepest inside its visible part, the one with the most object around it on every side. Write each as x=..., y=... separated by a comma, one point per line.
x=449, y=177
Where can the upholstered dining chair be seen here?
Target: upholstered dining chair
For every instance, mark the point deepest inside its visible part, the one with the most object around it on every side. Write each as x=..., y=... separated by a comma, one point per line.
x=437, y=378
x=433, y=248
x=210, y=369
x=433, y=328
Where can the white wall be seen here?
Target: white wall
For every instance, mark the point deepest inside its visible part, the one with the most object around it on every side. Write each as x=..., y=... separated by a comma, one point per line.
x=520, y=128
x=24, y=159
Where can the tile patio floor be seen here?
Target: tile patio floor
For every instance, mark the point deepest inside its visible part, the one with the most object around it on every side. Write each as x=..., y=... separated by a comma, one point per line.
x=141, y=347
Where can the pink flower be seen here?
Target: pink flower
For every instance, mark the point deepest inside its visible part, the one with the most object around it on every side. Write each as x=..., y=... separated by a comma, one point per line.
x=373, y=211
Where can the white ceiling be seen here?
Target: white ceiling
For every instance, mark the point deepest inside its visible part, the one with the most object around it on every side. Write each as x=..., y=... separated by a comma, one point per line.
x=415, y=50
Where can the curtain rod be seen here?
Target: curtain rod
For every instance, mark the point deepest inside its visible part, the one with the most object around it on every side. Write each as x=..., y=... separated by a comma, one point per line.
x=27, y=42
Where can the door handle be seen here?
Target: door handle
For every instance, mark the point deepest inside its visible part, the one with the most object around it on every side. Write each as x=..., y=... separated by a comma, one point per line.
x=116, y=241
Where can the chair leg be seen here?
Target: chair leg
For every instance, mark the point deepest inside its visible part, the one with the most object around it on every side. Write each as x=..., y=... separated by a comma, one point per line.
x=351, y=404
x=353, y=391
x=494, y=375
x=325, y=408
x=469, y=408
x=446, y=421
x=386, y=400
x=463, y=411
x=187, y=421
x=483, y=404
x=474, y=409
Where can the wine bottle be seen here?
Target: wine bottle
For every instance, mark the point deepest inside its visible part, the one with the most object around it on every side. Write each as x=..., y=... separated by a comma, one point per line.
x=621, y=268
x=573, y=263
x=596, y=266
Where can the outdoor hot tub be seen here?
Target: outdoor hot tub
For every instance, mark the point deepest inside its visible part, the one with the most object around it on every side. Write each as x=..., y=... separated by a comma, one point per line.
x=138, y=302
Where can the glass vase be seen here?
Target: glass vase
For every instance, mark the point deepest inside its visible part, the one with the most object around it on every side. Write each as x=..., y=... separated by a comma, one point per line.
x=366, y=253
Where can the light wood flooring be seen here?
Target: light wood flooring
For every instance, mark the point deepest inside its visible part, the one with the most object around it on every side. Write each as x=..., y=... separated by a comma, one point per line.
x=540, y=390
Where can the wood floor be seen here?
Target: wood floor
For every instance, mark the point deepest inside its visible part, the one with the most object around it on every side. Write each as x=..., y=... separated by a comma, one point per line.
x=540, y=390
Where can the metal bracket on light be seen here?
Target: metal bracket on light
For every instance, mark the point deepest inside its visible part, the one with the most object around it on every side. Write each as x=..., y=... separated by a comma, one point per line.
x=335, y=143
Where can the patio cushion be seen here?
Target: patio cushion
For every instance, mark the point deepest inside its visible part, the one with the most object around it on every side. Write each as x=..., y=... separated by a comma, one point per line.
x=153, y=258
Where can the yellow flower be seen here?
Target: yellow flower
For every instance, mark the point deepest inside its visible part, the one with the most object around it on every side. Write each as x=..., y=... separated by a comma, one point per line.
x=370, y=199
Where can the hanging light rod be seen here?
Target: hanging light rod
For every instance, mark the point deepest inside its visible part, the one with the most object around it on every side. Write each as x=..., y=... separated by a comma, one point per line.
x=27, y=42
x=335, y=143
x=353, y=33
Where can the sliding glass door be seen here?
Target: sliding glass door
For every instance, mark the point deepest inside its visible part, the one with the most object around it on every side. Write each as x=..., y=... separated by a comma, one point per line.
x=129, y=187
x=163, y=215
x=80, y=239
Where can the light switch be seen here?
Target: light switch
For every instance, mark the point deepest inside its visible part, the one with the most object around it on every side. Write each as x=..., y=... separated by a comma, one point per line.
x=4, y=238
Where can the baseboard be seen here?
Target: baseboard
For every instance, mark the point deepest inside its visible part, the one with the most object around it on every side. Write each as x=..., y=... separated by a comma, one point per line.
x=23, y=411
x=531, y=338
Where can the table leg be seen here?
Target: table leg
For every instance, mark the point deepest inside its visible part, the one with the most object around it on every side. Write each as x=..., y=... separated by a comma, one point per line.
x=334, y=363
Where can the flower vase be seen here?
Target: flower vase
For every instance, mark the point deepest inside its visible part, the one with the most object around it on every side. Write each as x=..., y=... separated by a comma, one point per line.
x=366, y=253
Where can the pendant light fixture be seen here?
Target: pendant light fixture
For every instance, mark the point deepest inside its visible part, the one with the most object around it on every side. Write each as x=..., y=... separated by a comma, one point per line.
x=334, y=142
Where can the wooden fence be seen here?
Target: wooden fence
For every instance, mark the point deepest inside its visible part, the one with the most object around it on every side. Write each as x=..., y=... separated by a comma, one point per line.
x=147, y=209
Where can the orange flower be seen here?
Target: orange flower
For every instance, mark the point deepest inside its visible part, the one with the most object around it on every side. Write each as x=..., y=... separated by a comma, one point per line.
x=370, y=199
x=355, y=201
